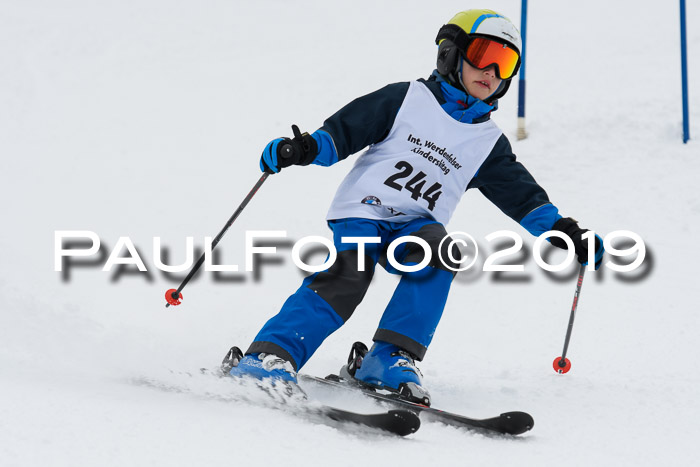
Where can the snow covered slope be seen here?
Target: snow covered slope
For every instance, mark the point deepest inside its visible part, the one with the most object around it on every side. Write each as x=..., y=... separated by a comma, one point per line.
x=146, y=119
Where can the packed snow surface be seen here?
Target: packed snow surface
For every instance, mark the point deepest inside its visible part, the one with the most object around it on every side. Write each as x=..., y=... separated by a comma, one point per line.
x=146, y=119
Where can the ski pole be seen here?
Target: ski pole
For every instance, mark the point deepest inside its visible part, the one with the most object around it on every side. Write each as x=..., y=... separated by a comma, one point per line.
x=173, y=296
x=562, y=364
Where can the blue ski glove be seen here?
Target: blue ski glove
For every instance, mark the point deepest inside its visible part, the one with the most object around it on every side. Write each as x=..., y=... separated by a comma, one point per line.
x=283, y=152
x=268, y=160
x=570, y=227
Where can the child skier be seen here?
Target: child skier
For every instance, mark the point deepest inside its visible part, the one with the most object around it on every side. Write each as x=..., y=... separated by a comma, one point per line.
x=429, y=141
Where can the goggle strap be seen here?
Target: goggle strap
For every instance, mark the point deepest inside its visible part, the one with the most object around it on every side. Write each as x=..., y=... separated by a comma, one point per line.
x=453, y=33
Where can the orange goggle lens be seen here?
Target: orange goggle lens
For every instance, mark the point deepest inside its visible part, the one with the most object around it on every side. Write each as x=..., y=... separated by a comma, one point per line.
x=482, y=52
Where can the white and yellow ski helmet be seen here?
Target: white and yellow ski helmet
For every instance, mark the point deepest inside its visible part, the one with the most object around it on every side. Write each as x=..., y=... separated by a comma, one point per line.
x=468, y=35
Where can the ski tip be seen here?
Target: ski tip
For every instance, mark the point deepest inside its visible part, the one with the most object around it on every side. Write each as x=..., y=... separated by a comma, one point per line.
x=516, y=423
x=403, y=422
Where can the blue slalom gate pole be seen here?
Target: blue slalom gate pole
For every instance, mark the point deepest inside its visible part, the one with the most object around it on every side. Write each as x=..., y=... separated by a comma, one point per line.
x=522, y=134
x=684, y=75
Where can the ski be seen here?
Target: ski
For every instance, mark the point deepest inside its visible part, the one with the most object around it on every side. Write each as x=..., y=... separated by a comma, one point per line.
x=399, y=421
x=510, y=423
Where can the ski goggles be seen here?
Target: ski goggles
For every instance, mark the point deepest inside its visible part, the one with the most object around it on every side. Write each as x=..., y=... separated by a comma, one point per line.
x=482, y=52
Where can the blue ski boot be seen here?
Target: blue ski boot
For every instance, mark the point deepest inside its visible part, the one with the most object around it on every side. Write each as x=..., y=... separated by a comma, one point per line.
x=389, y=367
x=259, y=366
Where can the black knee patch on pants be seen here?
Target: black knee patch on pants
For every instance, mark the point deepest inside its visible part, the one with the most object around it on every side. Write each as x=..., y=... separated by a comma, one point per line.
x=433, y=234
x=343, y=286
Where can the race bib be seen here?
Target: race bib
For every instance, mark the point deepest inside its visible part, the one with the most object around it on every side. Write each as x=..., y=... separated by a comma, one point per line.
x=421, y=169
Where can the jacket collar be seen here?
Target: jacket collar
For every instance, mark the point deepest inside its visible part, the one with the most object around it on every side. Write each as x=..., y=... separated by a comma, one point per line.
x=461, y=106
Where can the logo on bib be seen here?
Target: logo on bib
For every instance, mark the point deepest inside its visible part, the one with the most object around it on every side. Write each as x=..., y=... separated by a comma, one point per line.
x=372, y=200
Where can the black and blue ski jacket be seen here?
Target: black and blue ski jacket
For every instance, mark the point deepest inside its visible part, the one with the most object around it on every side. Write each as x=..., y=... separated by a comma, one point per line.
x=501, y=178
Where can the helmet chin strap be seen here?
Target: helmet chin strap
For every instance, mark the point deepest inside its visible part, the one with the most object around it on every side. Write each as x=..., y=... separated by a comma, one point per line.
x=460, y=81
x=497, y=93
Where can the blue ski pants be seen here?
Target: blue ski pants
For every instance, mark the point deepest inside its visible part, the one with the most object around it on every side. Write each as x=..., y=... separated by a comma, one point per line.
x=327, y=299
